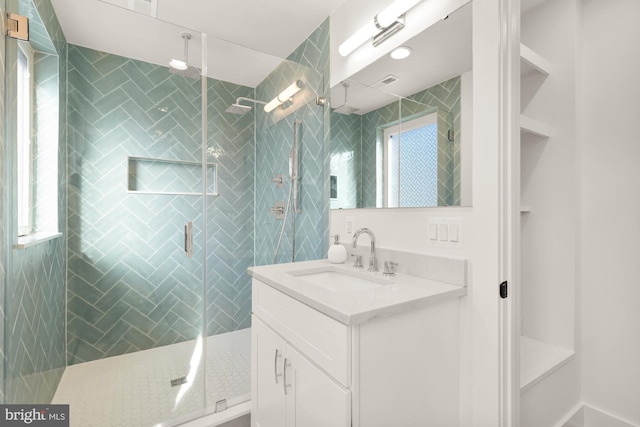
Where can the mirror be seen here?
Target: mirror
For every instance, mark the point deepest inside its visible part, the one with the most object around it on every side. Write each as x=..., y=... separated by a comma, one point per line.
x=401, y=129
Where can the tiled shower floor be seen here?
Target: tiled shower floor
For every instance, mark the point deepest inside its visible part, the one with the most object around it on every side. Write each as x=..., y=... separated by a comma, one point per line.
x=134, y=390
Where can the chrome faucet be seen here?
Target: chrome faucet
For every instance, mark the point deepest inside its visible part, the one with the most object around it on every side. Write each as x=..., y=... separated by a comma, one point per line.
x=373, y=262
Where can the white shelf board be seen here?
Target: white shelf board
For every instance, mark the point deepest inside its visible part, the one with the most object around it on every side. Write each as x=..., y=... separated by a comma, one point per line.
x=534, y=127
x=35, y=239
x=525, y=209
x=532, y=63
x=539, y=360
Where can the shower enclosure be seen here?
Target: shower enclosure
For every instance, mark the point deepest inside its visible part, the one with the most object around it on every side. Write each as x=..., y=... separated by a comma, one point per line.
x=163, y=206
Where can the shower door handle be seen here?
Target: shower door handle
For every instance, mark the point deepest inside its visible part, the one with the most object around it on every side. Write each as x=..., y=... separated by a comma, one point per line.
x=188, y=239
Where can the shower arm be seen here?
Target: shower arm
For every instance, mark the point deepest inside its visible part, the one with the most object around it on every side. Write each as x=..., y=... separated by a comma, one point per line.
x=186, y=38
x=294, y=165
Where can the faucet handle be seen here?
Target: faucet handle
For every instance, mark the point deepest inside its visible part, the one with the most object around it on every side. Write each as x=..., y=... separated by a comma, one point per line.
x=357, y=261
x=390, y=268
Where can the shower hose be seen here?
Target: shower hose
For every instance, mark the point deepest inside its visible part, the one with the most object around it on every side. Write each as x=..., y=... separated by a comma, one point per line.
x=284, y=223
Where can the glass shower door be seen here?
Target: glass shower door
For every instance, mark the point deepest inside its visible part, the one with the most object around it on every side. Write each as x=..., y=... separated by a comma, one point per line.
x=135, y=307
x=230, y=232
x=251, y=147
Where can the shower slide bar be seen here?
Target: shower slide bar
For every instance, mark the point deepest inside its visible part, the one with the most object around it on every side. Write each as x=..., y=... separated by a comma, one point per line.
x=293, y=201
x=188, y=239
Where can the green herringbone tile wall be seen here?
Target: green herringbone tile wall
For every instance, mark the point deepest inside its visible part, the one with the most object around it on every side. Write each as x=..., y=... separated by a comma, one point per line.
x=35, y=289
x=346, y=136
x=130, y=285
x=3, y=195
x=308, y=63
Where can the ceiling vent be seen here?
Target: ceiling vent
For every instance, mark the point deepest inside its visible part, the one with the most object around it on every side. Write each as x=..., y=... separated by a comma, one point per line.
x=385, y=81
x=146, y=7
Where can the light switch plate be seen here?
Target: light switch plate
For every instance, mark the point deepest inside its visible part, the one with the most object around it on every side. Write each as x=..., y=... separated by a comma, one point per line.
x=433, y=231
x=350, y=221
x=443, y=232
x=453, y=233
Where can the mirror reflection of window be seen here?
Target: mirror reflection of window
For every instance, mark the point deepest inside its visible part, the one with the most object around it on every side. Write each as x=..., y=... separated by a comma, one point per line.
x=411, y=163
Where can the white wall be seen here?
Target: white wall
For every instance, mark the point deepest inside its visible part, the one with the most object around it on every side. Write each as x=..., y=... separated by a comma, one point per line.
x=609, y=154
x=407, y=228
x=402, y=229
x=549, y=178
x=466, y=138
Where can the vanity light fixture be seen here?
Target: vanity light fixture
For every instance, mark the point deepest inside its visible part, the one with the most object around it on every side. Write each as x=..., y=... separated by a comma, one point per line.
x=291, y=90
x=400, y=52
x=384, y=25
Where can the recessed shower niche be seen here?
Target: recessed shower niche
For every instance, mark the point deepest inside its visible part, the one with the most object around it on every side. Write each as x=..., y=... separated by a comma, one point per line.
x=165, y=176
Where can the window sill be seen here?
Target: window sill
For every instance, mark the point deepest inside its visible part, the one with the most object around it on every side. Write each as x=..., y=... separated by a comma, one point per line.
x=36, y=238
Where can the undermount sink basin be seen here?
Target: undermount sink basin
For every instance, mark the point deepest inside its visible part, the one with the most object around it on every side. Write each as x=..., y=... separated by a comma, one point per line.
x=338, y=280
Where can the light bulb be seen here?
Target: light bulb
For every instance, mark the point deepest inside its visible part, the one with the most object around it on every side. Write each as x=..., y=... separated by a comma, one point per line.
x=291, y=90
x=358, y=38
x=271, y=105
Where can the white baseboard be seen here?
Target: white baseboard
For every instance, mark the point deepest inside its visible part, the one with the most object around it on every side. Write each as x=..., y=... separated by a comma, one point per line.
x=574, y=418
x=585, y=415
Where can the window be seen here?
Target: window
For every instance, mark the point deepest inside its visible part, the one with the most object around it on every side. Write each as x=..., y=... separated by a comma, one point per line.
x=25, y=137
x=36, y=144
x=411, y=163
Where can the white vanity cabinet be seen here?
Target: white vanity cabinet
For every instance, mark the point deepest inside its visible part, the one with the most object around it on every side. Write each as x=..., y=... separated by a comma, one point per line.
x=289, y=389
x=309, y=369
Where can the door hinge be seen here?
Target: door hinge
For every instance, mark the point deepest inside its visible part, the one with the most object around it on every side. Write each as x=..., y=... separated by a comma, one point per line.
x=17, y=26
x=503, y=290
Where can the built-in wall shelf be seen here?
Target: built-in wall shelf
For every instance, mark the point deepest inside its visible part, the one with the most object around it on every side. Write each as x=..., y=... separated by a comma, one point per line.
x=534, y=127
x=538, y=360
x=525, y=209
x=531, y=63
x=169, y=177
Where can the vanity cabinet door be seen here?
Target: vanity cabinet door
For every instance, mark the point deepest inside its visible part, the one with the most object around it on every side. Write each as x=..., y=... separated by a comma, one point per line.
x=314, y=399
x=268, y=398
x=288, y=390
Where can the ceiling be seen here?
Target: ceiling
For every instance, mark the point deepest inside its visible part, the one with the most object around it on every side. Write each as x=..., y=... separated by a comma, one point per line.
x=250, y=36
x=247, y=39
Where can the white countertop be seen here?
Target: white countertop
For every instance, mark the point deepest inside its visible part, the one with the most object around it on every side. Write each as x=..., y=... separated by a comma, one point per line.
x=404, y=293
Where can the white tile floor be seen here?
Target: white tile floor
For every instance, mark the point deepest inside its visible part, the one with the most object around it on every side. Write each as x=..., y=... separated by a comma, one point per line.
x=134, y=390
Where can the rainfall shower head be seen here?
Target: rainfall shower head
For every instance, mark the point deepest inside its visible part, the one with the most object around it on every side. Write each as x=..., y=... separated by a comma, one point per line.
x=238, y=108
x=345, y=108
x=191, y=72
x=182, y=68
